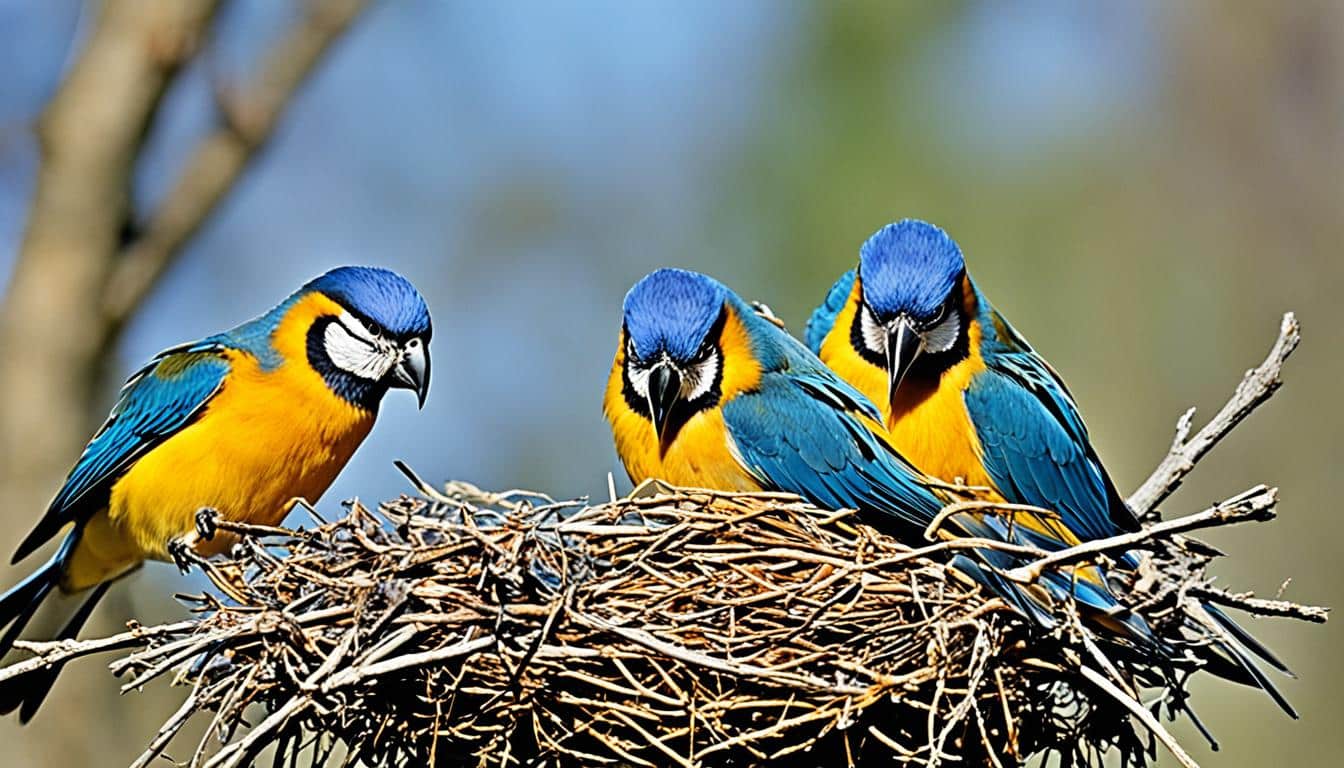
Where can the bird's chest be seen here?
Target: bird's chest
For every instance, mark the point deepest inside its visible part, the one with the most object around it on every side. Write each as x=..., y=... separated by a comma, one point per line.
x=930, y=426
x=699, y=457
x=265, y=439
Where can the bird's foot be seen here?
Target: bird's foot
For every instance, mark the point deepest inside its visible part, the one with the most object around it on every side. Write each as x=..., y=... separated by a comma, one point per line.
x=207, y=522
x=183, y=551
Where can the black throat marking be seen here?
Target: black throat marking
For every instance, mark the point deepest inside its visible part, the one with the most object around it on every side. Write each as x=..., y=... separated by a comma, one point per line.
x=356, y=390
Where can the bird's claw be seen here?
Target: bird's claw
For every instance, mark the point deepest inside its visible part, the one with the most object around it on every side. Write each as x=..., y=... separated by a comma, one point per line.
x=207, y=522
x=183, y=552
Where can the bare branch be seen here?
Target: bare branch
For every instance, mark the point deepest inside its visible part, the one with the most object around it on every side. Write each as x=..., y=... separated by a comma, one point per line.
x=47, y=654
x=1136, y=709
x=248, y=120
x=90, y=135
x=1258, y=386
x=1256, y=504
x=1249, y=603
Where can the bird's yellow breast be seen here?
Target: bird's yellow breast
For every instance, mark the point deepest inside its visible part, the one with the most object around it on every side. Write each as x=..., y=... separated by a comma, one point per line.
x=266, y=438
x=700, y=456
x=927, y=421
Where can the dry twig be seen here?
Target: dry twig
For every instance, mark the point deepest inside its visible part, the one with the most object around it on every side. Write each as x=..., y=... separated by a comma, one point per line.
x=1259, y=384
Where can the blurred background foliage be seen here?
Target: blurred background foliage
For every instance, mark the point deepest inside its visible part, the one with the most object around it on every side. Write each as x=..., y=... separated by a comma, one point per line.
x=1143, y=188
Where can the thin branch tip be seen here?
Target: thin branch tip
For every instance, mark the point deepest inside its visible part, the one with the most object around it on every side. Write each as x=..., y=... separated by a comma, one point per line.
x=1259, y=384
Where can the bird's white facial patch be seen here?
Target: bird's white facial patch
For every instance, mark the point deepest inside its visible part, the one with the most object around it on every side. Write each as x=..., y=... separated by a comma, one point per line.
x=699, y=377
x=874, y=334
x=357, y=350
x=637, y=371
x=942, y=336
x=696, y=379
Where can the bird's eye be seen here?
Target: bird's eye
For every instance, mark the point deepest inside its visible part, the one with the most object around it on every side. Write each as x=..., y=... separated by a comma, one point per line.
x=933, y=322
x=630, y=353
x=702, y=354
x=413, y=344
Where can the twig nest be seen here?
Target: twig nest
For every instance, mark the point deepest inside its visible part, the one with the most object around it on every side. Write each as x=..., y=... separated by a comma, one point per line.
x=680, y=628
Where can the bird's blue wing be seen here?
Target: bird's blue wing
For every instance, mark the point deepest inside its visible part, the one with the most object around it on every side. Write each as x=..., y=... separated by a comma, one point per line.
x=156, y=402
x=1036, y=448
x=803, y=433
x=823, y=318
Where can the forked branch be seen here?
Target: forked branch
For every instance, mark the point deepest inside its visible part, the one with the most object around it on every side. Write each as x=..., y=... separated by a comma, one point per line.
x=1259, y=384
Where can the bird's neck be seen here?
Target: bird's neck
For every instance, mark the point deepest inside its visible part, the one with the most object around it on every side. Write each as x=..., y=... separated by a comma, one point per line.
x=295, y=331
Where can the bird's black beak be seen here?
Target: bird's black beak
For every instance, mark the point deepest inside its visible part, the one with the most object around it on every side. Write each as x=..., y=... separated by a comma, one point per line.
x=664, y=391
x=413, y=371
x=903, y=346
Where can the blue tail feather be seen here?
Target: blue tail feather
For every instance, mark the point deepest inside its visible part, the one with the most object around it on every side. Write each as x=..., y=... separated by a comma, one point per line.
x=1247, y=639
x=17, y=607
x=1254, y=677
x=1231, y=660
x=27, y=692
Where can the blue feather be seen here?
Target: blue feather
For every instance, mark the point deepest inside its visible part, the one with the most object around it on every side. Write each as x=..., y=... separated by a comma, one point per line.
x=910, y=266
x=1036, y=446
x=823, y=317
x=160, y=399
x=671, y=311
x=255, y=336
x=793, y=441
x=380, y=296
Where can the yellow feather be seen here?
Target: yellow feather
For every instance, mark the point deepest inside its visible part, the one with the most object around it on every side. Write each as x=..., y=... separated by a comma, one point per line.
x=699, y=456
x=266, y=438
x=928, y=422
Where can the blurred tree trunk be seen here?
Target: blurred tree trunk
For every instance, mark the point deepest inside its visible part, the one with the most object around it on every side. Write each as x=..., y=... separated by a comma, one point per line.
x=52, y=333
x=88, y=261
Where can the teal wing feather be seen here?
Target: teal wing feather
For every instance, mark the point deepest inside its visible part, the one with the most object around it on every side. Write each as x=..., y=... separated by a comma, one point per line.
x=157, y=401
x=823, y=318
x=801, y=431
x=802, y=434
x=1037, y=451
x=1036, y=447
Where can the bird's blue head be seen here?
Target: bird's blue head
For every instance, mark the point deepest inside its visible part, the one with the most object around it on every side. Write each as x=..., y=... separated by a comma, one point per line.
x=378, y=296
x=910, y=268
x=671, y=311
x=379, y=340
x=673, y=363
x=912, y=313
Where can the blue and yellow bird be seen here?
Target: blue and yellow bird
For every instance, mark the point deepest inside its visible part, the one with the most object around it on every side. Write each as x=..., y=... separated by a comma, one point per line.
x=241, y=425
x=965, y=398
x=707, y=392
